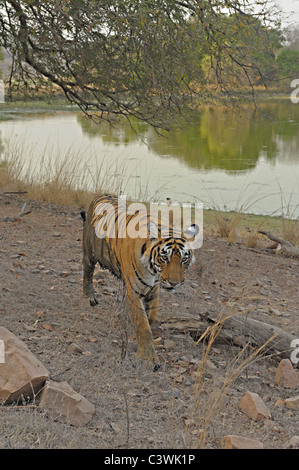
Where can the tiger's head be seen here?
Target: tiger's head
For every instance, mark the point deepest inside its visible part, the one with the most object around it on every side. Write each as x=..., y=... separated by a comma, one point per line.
x=169, y=258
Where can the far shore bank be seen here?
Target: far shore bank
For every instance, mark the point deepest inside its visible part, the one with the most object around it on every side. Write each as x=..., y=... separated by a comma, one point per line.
x=233, y=226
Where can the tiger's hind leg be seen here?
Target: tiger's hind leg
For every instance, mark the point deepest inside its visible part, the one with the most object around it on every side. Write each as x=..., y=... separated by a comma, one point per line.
x=88, y=270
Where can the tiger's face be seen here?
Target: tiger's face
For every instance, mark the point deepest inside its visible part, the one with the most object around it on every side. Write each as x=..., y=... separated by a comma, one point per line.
x=168, y=260
x=171, y=259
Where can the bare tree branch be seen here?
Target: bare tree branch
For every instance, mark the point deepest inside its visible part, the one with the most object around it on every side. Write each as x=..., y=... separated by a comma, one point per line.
x=144, y=59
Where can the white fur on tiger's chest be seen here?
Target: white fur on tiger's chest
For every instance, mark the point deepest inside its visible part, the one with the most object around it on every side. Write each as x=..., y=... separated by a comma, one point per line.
x=149, y=278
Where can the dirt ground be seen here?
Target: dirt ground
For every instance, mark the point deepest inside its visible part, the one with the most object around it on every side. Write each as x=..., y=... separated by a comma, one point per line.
x=41, y=302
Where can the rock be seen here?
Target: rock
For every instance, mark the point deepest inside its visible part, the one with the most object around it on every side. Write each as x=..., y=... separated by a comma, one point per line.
x=116, y=428
x=254, y=407
x=271, y=425
x=74, y=348
x=293, y=443
x=92, y=339
x=169, y=344
x=292, y=403
x=286, y=376
x=22, y=375
x=210, y=365
x=240, y=442
x=279, y=403
x=66, y=405
x=170, y=394
x=275, y=312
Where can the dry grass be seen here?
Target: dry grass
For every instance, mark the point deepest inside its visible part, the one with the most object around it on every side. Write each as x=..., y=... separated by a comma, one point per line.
x=64, y=179
x=67, y=181
x=227, y=224
x=17, y=174
x=239, y=226
x=205, y=407
x=61, y=180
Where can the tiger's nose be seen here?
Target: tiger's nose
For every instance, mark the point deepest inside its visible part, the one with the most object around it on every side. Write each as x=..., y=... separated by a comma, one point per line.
x=173, y=283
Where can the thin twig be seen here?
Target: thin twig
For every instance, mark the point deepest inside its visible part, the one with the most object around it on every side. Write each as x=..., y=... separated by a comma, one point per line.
x=127, y=417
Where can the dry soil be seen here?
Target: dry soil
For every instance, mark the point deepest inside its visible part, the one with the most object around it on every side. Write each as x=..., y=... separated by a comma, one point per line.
x=94, y=348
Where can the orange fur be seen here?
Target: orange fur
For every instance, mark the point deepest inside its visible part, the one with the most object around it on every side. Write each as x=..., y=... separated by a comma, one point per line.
x=143, y=263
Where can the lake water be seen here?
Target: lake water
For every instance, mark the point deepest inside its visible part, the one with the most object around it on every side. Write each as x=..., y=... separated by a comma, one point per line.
x=227, y=160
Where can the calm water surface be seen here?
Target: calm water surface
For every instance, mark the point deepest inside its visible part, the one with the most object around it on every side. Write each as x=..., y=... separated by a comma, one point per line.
x=227, y=160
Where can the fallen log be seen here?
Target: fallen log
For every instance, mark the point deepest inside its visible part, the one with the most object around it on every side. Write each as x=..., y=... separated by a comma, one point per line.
x=184, y=324
x=235, y=328
x=243, y=330
x=286, y=246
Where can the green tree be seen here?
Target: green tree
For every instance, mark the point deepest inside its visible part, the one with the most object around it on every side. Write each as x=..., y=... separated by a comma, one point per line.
x=288, y=63
x=248, y=51
x=141, y=58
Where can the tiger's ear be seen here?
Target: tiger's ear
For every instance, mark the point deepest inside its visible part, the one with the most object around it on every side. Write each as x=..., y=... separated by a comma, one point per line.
x=192, y=231
x=153, y=230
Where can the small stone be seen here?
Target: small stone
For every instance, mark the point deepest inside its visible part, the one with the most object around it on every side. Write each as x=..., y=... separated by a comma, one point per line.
x=292, y=403
x=29, y=328
x=61, y=401
x=210, y=365
x=74, y=348
x=240, y=442
x=157, y=341
x=170, y=394
x=276, y=312
x=169, y=344
x=271, y=424
x=254, y=407
x=286, y=376
x=115, y=427
x=293, y=443
x=279, y=403
x=87, y=353
x=64, y=273
x=93, y=339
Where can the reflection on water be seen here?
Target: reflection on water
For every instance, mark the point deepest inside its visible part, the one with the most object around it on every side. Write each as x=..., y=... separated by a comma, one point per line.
x=222, y=139
x=247, y=159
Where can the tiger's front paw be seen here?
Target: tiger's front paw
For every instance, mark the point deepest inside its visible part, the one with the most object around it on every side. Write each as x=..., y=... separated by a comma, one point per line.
x=93, y=301
x=149, y=354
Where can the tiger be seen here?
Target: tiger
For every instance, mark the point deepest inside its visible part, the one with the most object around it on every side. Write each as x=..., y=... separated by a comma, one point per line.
x=143, y=263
